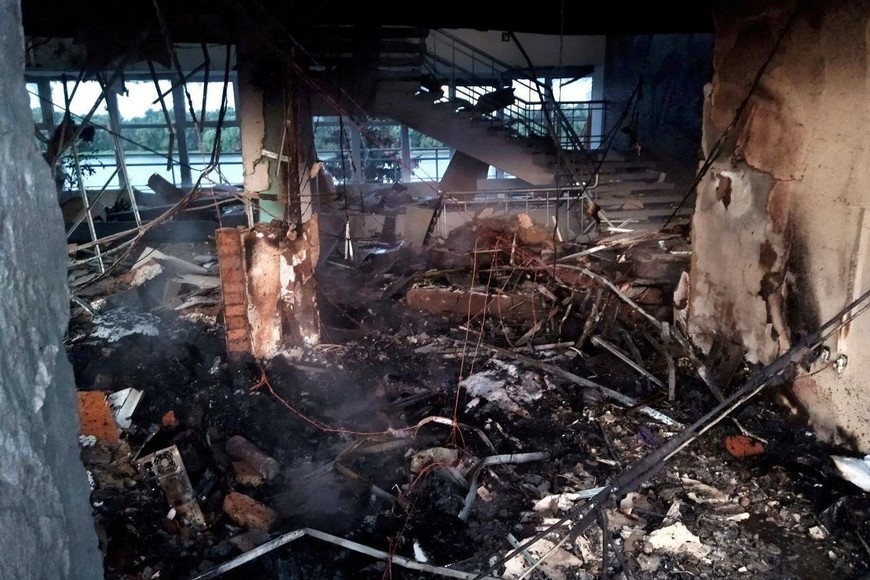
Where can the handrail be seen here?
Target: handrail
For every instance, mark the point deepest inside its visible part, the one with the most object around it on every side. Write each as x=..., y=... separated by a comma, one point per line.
x=553, y=122
x=473, y=48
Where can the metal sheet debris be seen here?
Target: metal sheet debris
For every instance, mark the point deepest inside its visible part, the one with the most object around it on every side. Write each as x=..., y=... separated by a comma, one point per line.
x=123, y=404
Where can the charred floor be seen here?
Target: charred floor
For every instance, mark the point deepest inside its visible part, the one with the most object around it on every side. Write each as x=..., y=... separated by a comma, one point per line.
x=449, y=415
x=579, y=298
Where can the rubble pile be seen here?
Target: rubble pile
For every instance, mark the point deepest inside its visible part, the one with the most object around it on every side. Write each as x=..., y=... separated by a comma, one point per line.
x=465, y=406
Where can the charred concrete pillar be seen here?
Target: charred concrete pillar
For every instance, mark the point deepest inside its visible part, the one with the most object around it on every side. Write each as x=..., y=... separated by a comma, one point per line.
x=46, y=528
x=255, y=167
x=267, y=272
x=780, y=232
x=270, y=297
x=277, y=135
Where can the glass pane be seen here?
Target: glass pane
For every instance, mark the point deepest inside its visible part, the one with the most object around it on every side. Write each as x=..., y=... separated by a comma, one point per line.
x=82, y=100
x=231, y=140
x=327, y=136
x=420, y=141
x=567, y=90
x=525, y=90
x=146, y=139
x=212, y=99
x=140, y=168
x=139, y=106
x=102, y=140
x=429, y=164
x=35, y=110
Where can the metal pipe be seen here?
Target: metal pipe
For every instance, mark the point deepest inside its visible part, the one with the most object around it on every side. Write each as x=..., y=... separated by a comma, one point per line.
x=85, y=203
x=81, y=218
x=115, y=124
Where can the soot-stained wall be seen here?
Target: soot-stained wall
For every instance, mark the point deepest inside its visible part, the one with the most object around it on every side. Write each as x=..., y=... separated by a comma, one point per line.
x=780, y=231
x=674, y=69
x=46, y=529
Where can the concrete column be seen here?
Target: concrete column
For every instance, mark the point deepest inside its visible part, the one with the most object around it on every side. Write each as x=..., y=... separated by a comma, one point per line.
x=356, y=153
x=274, y=118
x=598, y=115
x=784, y=204
x=406, y=155
x=179, y=107
x=46, y=526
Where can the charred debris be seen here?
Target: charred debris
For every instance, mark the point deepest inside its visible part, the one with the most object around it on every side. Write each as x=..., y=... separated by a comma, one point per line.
x=497, y=404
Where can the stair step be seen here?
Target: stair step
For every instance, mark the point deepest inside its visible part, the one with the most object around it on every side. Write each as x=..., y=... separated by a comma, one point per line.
x=622, y=181
x=444, y=106
x=427, y=98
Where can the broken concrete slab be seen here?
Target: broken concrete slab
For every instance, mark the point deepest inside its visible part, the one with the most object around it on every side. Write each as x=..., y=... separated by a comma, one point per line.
x=677, y=539
x=508, y=395
x=247, y=512
x=123, y=404
x=558, y=564
x=117, y=323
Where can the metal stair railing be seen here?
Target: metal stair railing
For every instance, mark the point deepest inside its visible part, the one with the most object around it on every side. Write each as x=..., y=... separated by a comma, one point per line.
x=471, y=74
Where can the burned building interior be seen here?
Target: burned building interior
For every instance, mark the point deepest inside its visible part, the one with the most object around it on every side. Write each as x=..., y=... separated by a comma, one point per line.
x=559, y=291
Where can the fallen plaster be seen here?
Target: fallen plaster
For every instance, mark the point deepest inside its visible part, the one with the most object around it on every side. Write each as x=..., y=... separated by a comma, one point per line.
x=784, y=248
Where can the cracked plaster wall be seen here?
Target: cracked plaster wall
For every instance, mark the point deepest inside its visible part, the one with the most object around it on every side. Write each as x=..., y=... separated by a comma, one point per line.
x=46, y=528
x=780, y=228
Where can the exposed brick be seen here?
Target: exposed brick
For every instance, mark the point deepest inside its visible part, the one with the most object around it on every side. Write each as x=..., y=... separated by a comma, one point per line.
x=248, y=512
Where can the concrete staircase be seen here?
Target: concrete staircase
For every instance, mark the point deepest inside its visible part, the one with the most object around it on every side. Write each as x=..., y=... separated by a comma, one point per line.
x=513, y=139
x=473, y=134
x=635, y=190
